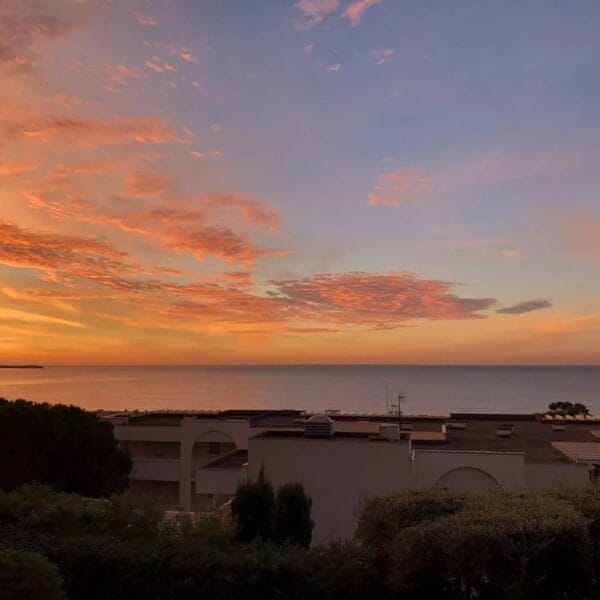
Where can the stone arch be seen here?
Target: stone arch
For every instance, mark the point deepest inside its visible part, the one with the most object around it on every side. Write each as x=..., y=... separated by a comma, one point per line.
x=467, y=479
x=211, y=445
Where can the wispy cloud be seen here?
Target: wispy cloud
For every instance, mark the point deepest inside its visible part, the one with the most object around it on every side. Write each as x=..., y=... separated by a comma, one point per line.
x=382, y=56
x=145, y=19
x=398, y=187
x=315, y=10
x=24, y=28
x=356, y=10
x=91, y=131
x=158, y=65
x=524, y=307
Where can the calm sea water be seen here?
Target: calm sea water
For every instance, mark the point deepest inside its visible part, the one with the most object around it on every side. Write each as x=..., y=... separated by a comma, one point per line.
x=429, y=389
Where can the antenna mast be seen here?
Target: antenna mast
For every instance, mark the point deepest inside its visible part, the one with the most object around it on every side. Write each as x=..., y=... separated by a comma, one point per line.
x=398, y=407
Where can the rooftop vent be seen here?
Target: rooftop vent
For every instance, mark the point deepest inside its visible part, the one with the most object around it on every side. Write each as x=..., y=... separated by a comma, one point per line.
x=318, y=426
x=456, y=425
x=505, y=430
x=406, y=426
x=558, y=427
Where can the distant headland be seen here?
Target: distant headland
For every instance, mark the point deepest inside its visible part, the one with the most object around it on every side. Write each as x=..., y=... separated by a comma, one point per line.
x=21, y=367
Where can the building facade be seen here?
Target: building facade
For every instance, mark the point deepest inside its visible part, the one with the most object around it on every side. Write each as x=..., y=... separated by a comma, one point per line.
x=194, y=462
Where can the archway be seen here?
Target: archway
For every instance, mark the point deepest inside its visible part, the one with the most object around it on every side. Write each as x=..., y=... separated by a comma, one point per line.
x=467, y=479
x=211, y=445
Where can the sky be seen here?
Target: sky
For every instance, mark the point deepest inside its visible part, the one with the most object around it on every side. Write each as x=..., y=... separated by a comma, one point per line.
x=302, y=181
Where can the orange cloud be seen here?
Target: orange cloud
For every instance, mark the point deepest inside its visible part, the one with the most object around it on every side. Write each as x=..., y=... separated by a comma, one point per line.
x=181, y=230
x=397, y=187
x=92, y=132
x=141, y=185
x=355, y=11
x=379, y=300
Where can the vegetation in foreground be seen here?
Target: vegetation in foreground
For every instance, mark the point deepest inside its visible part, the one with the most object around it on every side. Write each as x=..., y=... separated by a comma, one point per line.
x=418, y=544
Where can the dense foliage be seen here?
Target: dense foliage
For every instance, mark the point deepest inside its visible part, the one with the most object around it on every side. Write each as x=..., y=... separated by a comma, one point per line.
x=28, y=575
x=568, y=408
x=253, y=508
x=293, y=524
x=119, y=549
x=70, y=449
x=435, y=543
x=416, y=544
x=259, y=513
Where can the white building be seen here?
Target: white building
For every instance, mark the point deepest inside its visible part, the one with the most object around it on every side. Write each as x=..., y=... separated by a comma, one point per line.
x=195, y=461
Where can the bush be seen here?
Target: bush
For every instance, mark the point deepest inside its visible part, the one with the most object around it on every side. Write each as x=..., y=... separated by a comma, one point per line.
x=293, y=524
x=253, y=508
x=28, y=576
x=495, y=545
x=383, y=518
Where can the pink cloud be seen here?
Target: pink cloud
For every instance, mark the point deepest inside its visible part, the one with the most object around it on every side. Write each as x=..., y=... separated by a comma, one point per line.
x=355, y=11
x=159, y=66
x=397, y=187
x=120, y=74
x=382, y=56
x=145, y=19
x=316, y=10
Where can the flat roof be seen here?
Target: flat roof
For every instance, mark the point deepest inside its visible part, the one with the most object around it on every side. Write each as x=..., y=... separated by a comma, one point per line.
x=534, y=437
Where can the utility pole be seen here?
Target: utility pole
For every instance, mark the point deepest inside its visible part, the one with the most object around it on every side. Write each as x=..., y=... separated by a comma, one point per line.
x=387, y=400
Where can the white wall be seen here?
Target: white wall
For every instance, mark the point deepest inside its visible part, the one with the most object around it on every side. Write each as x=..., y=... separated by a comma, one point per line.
x=336, y=473
x=506, y=468
x=540, y=476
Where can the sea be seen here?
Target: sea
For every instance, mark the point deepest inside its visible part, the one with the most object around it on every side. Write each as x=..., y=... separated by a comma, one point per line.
x=434, y=390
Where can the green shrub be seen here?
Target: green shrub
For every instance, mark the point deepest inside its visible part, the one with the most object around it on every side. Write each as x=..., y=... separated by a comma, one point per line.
x=382, y=518
x=293, y=524
x=28, y=576
x=253, y=508
x=498, y=545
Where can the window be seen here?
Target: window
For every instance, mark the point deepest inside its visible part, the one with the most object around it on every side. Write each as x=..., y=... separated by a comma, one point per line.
x=214, y=448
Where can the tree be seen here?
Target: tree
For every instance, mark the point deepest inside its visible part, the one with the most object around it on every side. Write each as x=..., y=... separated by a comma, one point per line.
x=568, y=408
x=28, y=575
x=253, y=508
x=66, y=447
x=293, y=524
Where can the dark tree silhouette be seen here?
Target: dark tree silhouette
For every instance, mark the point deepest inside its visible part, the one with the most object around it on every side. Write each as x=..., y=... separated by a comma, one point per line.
x=253, y=508
x=68, y=448
x=293, y=524
x=568, y=408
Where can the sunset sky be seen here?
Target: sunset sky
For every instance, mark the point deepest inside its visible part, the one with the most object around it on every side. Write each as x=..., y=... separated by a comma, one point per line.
x=312, y=181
